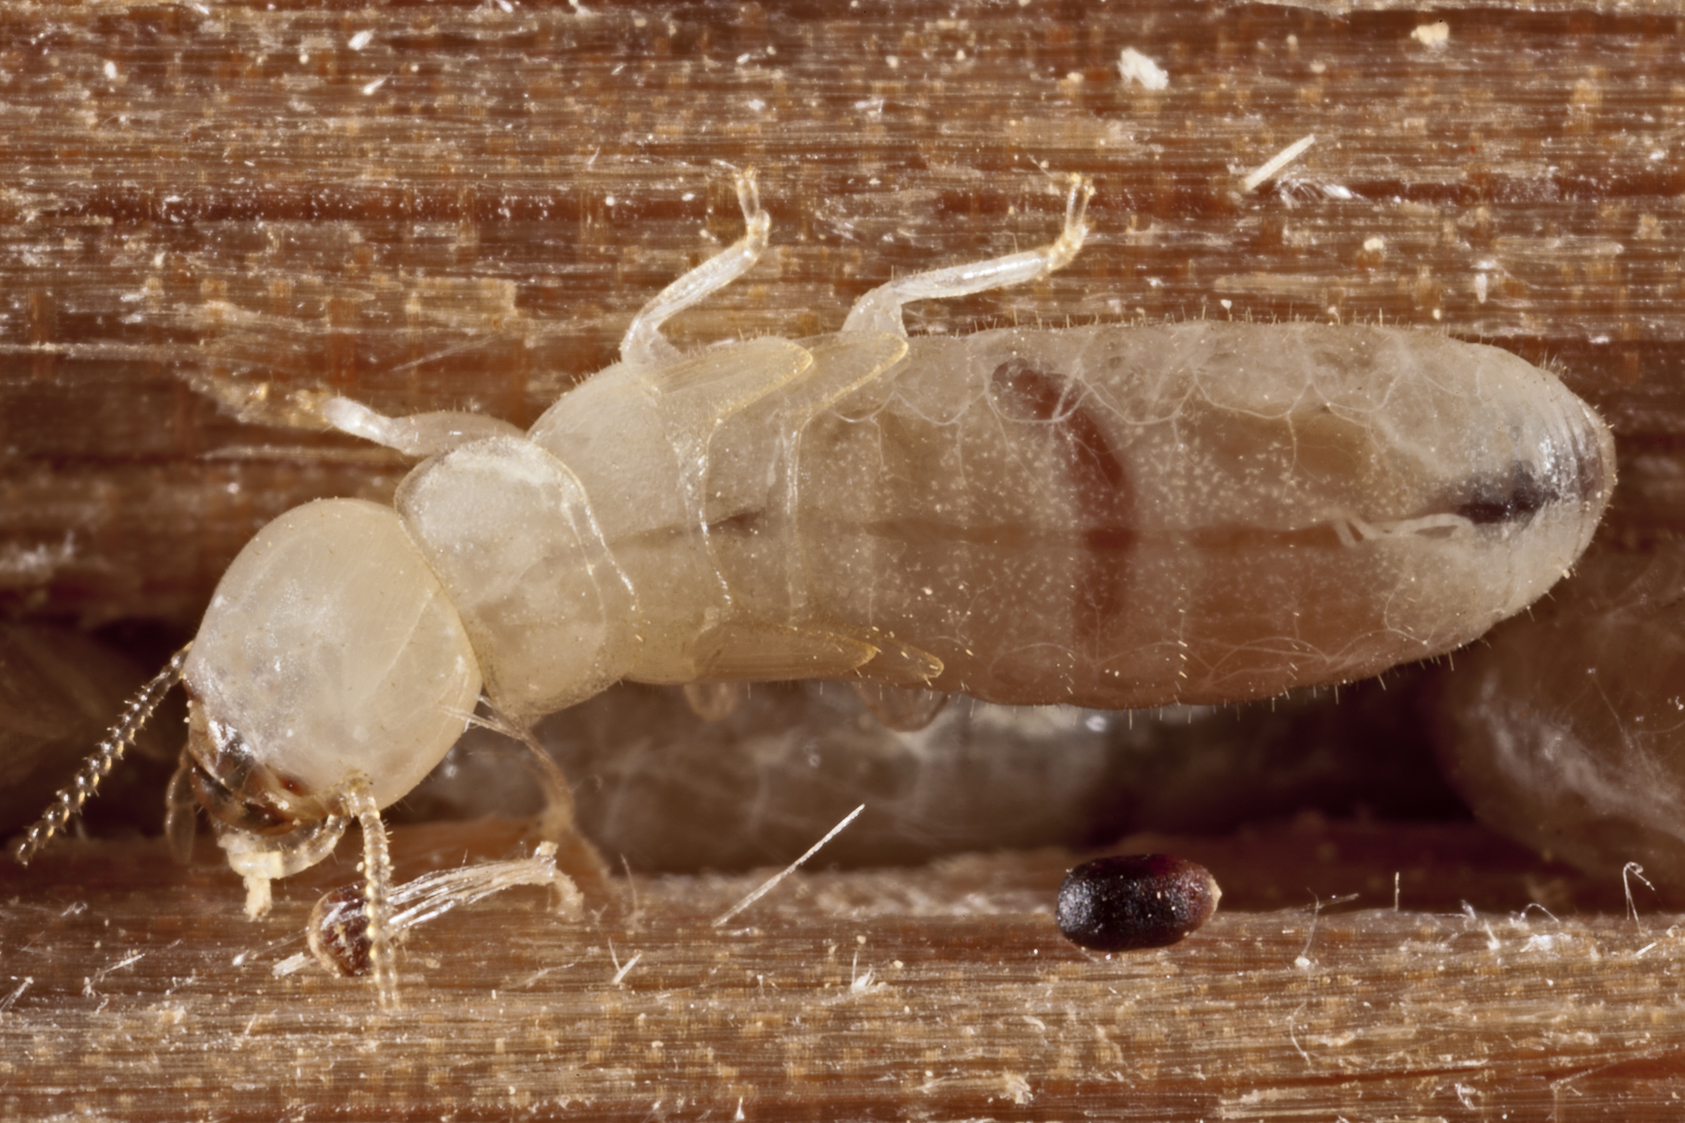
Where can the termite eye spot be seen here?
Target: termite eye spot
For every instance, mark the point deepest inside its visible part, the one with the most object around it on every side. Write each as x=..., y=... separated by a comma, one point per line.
x=1516, y=498
x=1130, y=902
x=338, y=931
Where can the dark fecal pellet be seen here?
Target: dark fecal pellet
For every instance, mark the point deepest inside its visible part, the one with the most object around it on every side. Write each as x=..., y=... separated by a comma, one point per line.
x=1135, y=901
x=339, y=931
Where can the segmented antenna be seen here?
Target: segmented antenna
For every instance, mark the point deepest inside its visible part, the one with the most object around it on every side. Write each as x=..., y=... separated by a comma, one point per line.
x=70, y=799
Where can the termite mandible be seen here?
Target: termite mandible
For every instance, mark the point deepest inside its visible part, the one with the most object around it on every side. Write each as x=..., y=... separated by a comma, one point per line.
x=1110, y=516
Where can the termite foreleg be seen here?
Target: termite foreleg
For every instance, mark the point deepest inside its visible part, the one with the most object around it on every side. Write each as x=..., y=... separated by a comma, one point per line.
x=557, y=823
x=377, y=888
x=338, y=926
x=880, y=309
x=643, y=344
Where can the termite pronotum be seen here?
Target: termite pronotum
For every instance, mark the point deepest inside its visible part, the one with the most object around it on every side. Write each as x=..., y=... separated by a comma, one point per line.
x=1108, y=516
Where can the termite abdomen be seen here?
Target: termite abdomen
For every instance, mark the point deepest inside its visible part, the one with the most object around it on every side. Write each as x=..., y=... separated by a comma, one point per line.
x=1129, y=902
x=1519, y=497
x=1201, y=512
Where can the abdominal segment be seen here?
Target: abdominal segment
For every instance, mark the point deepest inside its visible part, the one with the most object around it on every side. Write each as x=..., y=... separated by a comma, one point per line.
x=1198, y=513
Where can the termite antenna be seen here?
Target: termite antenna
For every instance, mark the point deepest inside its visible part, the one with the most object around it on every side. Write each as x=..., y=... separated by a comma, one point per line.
x=70, y=799
x=377, y=888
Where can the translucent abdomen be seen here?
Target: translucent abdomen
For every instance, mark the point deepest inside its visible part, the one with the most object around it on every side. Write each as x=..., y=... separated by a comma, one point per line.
x=1200, y=512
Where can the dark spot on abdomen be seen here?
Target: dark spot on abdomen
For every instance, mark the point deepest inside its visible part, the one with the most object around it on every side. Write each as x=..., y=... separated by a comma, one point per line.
x=1516, y=497
x=1023, y=394
x=1055, y=405
x=743, y=523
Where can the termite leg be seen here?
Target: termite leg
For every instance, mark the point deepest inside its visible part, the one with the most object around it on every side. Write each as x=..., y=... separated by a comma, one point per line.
x=557, y=823
x=903, y=709
x=377, y=888
x=880, y=309
x=181, y=811
x=715, y=701
x=422, y=434
x=71, y=799
x=644, y=345
x=338, y=928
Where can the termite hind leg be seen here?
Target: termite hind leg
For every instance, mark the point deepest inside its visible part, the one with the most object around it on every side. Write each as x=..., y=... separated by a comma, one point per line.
x=71, y=799
x=377, y=888
x=880, y=309
x=643, y=344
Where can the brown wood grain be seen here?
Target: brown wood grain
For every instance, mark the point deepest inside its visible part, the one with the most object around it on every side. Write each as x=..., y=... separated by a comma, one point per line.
x=205, y=213
x=204, y=210
x=139, y=991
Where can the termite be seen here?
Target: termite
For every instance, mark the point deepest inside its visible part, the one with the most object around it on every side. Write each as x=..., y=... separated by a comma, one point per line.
x=1110, y=516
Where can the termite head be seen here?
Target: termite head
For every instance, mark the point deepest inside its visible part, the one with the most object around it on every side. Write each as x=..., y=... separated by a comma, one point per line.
x=329, y=651
x=330, y=674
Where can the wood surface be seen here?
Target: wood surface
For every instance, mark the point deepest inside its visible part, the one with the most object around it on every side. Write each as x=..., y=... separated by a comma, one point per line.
x=206, y=209
x=204, y=214
x=140, y=992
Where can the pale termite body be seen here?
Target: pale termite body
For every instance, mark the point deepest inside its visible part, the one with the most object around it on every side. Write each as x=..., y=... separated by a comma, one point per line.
x=1105, y=515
